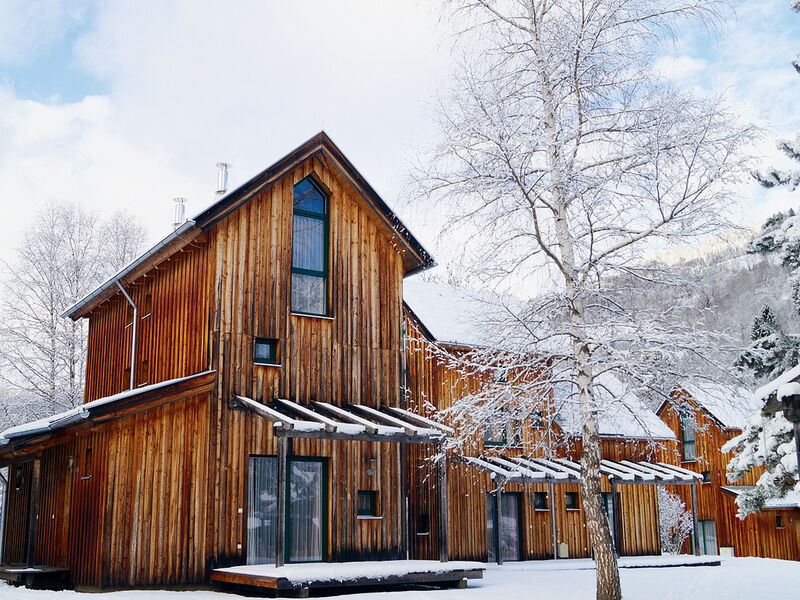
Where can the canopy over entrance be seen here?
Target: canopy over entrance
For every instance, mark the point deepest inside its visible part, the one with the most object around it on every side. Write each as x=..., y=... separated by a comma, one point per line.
x=351, y=422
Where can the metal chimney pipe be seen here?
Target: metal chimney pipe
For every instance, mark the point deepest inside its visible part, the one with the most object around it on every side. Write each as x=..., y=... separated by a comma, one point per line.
x=180, y=212
x=222, y=178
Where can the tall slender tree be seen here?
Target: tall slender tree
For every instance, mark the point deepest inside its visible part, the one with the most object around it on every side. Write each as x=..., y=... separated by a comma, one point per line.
x=564, y=161
x=64, y=254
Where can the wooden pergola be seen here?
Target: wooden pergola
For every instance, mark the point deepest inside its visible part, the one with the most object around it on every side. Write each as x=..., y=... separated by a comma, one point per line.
x=353, y=422
x=522, y=470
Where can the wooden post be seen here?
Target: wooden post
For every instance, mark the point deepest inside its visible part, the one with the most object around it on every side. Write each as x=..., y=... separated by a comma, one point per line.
x=3, y=515
x=403, y=493
x=615, y=521
x=280, y=525
x=553, y=520
x=498, y=518
x=443, y=545
x=33, y=515
x=695, y=523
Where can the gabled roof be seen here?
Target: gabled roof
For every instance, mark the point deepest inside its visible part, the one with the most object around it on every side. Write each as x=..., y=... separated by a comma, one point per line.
x=625, y=414
x=457, y=315
x=729, y=405
x=415, y=256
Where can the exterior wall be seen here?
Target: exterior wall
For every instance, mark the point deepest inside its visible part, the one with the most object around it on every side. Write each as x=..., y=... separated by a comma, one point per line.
x=756, y=535
x=352, y=357
x=172, y=329
x=431, y=382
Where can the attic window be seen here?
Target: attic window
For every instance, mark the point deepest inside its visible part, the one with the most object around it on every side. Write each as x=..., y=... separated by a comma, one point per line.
x=309, y=249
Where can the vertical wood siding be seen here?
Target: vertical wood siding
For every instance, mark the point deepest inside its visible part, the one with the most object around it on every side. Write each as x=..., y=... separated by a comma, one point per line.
x=756, y=535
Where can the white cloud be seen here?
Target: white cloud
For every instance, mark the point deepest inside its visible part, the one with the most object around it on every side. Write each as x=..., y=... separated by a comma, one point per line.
x=28, y=26
x=193, y=83
x=679, y=67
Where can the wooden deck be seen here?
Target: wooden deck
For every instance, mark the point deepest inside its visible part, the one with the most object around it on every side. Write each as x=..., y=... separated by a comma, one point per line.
x=37, y=576
x=299, y=580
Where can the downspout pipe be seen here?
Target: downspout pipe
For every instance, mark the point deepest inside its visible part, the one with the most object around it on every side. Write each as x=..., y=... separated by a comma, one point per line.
x=133, y=337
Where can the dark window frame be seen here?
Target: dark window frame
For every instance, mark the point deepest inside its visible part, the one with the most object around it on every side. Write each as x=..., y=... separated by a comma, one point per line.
x=571, y=501
x=325, y=272
x=688, y=425
x=272, y=343
x=543, y=505
x=371, y=508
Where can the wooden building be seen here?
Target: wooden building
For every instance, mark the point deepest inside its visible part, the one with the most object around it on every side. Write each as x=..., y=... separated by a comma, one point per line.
x=543, y=518
x=703, y=420
x=257, y=391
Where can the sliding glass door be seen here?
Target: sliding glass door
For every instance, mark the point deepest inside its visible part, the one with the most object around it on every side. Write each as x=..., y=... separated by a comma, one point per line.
x=306, y=510
x=510, y=539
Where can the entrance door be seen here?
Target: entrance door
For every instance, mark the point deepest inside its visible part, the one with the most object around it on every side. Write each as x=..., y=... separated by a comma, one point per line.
x=708, y=537
x=511, y=521
x=306, y=510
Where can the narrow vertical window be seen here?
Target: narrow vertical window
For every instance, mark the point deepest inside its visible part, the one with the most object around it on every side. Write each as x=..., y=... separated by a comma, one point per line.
x=688, y=446
x=309, y=249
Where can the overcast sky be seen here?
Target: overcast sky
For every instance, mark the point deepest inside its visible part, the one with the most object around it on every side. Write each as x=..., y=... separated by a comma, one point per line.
x=129, y=104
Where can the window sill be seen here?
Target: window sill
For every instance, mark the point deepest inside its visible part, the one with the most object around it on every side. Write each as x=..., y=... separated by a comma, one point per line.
x=689, y=460
x=368, y=518
x=258, y=364
x=573, y=509
x=309, y=316
x=426, y=533
x=547, y=509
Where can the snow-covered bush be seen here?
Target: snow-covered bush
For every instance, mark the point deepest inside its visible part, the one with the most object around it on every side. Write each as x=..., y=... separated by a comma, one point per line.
x=674, y=521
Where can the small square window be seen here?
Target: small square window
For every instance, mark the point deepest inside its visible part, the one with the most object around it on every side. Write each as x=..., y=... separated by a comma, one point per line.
x=778, y=522
x=706, y=476
x=367, y=503
x=423, y=524
x=537, y=420
x=571, y=500
x=540, y=500
x=265, y=352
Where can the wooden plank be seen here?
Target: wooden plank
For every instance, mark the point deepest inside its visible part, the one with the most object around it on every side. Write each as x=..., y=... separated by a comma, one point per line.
x=33, y=513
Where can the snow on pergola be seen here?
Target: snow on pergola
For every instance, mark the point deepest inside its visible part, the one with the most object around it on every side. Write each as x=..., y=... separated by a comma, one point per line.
x=522, y=470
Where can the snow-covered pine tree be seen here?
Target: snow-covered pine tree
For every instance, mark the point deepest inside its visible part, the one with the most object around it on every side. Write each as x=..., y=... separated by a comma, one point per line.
x=764, y=442
x=780, y=236
x=772, y=351
x=674, y=521
x=564, y=160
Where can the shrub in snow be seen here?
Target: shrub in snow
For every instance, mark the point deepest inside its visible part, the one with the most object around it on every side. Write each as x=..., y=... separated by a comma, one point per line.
x=674, y=521
x=772, y=351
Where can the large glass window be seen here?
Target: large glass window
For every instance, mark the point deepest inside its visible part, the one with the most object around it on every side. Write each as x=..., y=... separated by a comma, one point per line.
x=310, y=249
x=511, y=526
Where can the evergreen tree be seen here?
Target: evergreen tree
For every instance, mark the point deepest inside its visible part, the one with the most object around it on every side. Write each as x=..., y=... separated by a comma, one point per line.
x=772, y=351
x=767, y=442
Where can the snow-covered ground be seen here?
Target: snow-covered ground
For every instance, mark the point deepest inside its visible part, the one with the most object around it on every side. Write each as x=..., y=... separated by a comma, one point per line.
x=740, y=578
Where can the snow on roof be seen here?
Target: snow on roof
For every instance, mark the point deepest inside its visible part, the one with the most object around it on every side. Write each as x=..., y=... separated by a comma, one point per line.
x=790, y=500
x=455, y=315
x=624, y=414
x=731, y=405
x=763, y=393
x=73, y=415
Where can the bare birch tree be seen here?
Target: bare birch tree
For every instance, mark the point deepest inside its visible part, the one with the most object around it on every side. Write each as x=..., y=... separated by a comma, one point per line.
x=65, y=253
x=565, y=162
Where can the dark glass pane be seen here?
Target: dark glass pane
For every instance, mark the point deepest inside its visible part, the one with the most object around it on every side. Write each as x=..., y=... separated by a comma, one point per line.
x=265, y=351
x=308, y=243
x=540, y=500
x=309, y=197
x=262, y=510
x=308, y=294
x=510, y=526
x=367, y=503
